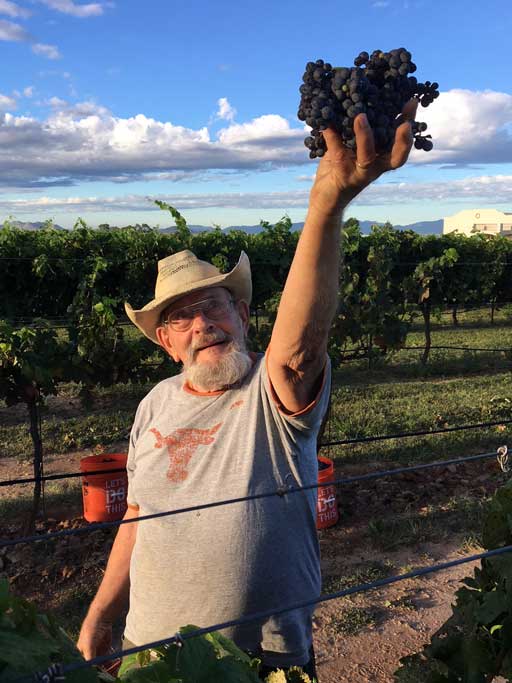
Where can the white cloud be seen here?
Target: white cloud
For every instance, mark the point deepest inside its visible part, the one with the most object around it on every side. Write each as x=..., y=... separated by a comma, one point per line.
x=468, y=127
x=92, y=9
x=49, y=51
x=225, y=111
x=492, y=190
x=259, y=131
x=256, y=200
x=489, y=190
x=50, y=73
x=13, y=10
x=12, y=32
x=7, y=103
x=57, y=102
x=88, y=142
x=28, y=91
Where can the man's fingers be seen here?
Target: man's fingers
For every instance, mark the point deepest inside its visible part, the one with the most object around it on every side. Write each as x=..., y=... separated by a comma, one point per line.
x=402, y=146
x=335, y=146
x=364, y=141
x=409, y=111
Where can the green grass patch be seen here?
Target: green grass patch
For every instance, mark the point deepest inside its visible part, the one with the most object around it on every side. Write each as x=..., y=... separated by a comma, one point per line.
x=351, y=621
x=459, y=515
x=61, y=436
x=63, y=495
x=377, y=405
x=356, y=575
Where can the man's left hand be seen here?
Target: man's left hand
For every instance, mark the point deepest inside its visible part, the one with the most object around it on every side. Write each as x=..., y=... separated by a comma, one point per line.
x=343, y=174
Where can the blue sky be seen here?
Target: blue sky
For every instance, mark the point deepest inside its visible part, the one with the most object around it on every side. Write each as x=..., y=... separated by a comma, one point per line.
x=106, y=106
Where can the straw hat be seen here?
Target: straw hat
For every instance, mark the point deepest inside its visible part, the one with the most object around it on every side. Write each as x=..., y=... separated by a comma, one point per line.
x=181, y=274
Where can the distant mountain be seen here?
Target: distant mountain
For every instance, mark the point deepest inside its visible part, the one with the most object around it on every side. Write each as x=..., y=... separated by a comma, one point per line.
x=422, y=227
x=33, y=226
x=193, y=228
x=255, y=229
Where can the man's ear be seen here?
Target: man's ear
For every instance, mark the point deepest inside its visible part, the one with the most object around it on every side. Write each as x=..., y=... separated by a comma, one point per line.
x=244, y=313
x=163, y=339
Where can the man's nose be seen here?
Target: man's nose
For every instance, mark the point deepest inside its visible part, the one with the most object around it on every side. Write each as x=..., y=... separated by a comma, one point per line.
x=201, y=321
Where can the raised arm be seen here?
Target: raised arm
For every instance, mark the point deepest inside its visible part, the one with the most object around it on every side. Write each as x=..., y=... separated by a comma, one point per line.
x=298, y=347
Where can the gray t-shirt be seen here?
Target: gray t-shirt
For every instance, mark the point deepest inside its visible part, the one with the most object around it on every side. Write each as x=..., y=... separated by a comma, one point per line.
x=221, y=563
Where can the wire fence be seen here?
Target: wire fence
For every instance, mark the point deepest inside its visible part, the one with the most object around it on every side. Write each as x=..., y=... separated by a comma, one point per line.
x=501, y=453
x=340, y=442
x=457, y=348
x=423, y=432
x=56, y=672
x=180, y=639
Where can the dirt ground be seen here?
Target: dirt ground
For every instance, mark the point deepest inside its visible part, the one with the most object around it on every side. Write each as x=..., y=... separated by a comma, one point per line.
x=357, y=639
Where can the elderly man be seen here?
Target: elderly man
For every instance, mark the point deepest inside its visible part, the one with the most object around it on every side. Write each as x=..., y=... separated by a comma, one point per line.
x=234, y=424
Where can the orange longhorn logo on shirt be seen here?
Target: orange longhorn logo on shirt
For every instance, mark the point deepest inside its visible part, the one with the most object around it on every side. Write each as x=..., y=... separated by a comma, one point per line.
x=181, y=446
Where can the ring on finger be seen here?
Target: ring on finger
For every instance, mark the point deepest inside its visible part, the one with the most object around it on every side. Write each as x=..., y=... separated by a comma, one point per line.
x=365, y=167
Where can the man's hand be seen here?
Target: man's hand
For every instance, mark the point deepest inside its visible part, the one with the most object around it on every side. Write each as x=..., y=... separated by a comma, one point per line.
x=342, y=174
x=95, y=637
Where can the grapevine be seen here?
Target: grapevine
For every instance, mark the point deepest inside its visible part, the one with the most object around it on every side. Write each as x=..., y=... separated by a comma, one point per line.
x=474, y=644
x=378, y=85
x=33, y=641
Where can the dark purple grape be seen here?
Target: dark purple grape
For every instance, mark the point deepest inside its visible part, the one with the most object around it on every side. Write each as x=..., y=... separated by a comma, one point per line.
x=378, y=84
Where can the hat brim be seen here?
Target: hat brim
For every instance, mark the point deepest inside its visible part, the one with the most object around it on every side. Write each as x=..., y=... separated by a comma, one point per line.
x=238, y=281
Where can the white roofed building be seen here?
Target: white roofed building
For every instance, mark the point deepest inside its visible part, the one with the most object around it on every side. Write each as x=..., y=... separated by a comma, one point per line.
x=488, y=221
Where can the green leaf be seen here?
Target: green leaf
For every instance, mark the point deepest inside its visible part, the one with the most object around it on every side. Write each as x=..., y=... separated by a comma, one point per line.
x=496, y=531
x=225, y=645
x=155, y=672
x=491, y=607
x=196, y=659
x=504, y=498
x=230, y=670
x=16, y=651
x=128, y=662
x=478, y=660
x=448, y=649
x=4, y=594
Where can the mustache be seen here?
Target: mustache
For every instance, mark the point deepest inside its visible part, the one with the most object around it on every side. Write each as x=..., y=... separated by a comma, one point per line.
x=207, y=340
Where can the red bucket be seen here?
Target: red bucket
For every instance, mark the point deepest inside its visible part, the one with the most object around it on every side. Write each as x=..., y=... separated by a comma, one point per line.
x=104, y=495
x=327, y=505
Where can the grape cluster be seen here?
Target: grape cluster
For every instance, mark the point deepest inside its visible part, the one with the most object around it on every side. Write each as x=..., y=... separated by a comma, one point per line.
x=378, y=85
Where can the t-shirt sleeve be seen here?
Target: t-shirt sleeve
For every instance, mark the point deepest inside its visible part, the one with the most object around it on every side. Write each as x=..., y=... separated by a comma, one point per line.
x=309, y=418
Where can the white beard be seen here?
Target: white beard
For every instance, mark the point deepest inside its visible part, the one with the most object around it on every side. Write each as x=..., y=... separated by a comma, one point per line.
x=230, y=369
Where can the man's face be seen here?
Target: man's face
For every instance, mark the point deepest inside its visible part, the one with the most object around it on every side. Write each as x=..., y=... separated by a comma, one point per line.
x=206, y=341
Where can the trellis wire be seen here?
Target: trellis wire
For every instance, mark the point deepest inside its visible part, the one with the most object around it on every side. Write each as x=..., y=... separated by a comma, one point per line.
x=364, y=439
x=364, y=587
x=54, y=477
x=281, y=491
x=367, y=439
x=455, y=348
